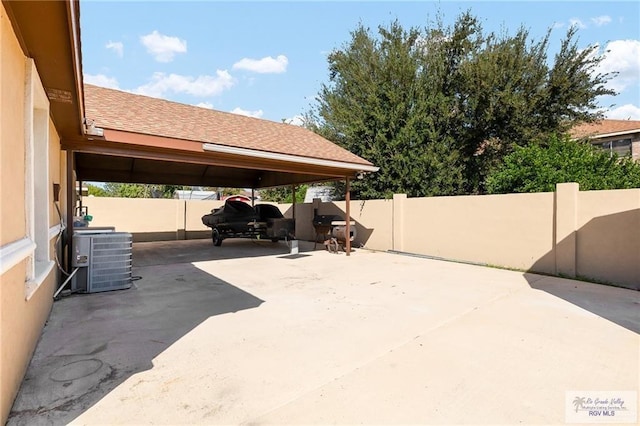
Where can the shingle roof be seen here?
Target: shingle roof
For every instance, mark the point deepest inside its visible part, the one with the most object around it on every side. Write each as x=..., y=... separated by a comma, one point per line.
x=605, y=127
x=117, y=110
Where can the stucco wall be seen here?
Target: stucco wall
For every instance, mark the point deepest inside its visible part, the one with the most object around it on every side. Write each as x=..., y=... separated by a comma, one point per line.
x=21, y=317
x=514, y=230
x=608, y=236
x=194, y=210
x=591, y=234
x=151, y=219
x=12, y=77
x=373, y=218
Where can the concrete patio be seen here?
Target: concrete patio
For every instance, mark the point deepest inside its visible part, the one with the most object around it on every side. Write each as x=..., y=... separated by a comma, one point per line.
x=247, y=334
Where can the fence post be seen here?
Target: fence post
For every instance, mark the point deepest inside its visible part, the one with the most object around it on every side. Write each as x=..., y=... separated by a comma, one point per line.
x=181, y=219
x=397, y=221
x=566, y=224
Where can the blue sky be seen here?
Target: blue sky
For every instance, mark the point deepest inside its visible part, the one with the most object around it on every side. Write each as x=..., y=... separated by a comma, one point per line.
x=268, y=59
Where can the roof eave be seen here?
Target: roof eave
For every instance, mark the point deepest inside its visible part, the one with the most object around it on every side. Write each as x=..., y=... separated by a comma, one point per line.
x=290, y=158
x=49, y=33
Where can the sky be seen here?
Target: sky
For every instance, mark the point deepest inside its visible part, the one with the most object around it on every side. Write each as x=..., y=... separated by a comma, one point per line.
x=268, y=59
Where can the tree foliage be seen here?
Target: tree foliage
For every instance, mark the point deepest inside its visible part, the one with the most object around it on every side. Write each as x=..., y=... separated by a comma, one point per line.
x=138, y=190
x=95, y=190
x=438, y=108
x=539, y=167
x=283, y=194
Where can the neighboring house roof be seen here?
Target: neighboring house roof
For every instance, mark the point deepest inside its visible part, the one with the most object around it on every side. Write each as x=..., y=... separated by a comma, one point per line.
x=606, y=128
x=117, y=110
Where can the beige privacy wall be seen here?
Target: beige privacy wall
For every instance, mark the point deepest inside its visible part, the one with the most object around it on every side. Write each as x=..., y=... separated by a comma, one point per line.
x=608, y=236
x=151, y=219
x=591, y=234
x=513, y=230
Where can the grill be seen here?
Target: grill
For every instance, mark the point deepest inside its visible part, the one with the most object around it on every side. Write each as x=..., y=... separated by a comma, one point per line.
x=333, y=230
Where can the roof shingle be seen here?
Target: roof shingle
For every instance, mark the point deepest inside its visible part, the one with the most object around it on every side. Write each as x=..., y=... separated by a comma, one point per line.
x=605, y=127
x=117, y=110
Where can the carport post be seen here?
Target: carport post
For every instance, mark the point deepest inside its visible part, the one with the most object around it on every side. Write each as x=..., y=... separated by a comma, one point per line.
x=253, y=197
x=293, y=200
x=347, y=198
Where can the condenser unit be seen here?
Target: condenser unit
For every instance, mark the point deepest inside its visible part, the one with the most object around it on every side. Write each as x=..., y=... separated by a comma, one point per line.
x=104, y=260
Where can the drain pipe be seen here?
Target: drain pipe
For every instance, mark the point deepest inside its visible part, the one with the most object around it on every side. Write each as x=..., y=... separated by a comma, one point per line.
x=55, y=295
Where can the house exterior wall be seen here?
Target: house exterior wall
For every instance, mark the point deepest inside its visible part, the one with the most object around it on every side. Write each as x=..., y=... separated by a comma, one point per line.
x=635, y=143
x=22, y=313
x=12, y=77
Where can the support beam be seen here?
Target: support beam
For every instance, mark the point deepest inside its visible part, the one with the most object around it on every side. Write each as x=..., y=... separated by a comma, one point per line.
x=293, y=199
x=347, y=198
x=71, y=199
x=80, y=197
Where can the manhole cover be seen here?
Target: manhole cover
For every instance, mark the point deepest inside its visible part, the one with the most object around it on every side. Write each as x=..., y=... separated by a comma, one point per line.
x=76, y=370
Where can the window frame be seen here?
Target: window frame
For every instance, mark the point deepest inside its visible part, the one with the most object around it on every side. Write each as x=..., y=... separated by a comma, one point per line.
x=37, y=194
x=625, y=143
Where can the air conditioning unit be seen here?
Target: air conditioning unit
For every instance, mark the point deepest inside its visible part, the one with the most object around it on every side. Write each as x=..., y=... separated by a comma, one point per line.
x=104, y=260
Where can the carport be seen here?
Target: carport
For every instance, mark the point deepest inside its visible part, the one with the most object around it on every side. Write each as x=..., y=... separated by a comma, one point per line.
x=138, y=139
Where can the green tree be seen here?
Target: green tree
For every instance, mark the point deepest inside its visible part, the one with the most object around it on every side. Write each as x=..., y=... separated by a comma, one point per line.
x=283, y=194
x=139, y=190
x=539, y=167
x=96, y=191
x=437, y=109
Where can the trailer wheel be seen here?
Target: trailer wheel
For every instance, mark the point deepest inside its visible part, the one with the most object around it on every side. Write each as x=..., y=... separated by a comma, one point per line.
x=216, y=237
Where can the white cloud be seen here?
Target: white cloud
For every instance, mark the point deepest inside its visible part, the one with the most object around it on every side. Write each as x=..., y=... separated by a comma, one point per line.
x=207, y=105
x=263, y=66
x=202, y=86
x=575, y=22
x=601, y=20
x=255, y=114
x=101, y=80
x=623, y=57
x=162, y=47
x=624, y=112
x=296, y=120
x=116, y=46
x=558, y=25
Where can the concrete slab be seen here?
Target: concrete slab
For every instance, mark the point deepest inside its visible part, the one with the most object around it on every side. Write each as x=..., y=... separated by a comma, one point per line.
x=324, y=338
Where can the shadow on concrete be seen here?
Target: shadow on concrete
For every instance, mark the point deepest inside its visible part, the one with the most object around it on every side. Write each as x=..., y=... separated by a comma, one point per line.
x=187, y=251
x=92, y=343
x=618, y=305
x=604, y=252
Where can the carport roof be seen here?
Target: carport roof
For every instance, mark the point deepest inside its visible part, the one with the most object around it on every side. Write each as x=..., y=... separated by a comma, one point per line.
x=149, y=140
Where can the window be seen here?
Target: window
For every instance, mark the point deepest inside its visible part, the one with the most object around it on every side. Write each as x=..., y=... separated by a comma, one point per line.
x=622, y=147
x=36, y=177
